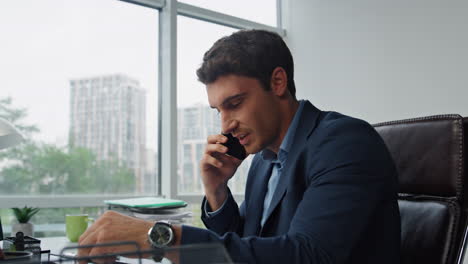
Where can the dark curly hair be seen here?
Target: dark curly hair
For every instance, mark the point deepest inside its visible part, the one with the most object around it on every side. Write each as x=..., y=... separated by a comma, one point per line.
x=250, y=53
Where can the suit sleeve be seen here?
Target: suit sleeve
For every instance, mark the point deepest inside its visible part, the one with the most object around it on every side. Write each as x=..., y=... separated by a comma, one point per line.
x=347, y=173
x=228, y=219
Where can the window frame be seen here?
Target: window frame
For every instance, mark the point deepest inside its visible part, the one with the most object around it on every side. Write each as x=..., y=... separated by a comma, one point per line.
x=168, y=10
x=168, y=90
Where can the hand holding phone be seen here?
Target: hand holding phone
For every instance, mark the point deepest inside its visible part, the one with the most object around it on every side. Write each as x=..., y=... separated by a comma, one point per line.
x=235, y=148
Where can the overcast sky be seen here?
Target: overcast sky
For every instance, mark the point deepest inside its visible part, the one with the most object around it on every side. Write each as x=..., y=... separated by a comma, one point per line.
x=45, y=43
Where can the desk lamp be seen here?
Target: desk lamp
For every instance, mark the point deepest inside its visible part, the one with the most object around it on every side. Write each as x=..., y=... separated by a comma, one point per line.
x=9, y=136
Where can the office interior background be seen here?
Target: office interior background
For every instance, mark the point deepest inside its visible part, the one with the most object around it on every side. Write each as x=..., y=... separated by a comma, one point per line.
x=107, y=95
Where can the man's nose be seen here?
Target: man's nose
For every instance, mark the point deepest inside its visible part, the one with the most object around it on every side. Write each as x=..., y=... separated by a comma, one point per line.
x=228, y=125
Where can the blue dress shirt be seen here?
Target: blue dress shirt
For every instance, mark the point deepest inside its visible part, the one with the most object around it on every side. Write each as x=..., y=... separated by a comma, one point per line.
x=278, y=161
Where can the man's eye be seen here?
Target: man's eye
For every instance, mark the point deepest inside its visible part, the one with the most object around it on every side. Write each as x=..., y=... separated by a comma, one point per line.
x=234, y=105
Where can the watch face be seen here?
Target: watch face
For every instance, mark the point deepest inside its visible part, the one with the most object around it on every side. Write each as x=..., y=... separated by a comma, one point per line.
x=161, y=235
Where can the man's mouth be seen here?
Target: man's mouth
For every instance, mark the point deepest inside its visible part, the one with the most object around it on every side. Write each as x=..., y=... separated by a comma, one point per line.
x=243, y=138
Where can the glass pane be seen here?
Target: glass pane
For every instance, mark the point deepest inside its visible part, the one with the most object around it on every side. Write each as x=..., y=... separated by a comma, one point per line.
x=195, y=220
x=48, y=222
x=242, y=8
x=79, y=79
x=196, y=120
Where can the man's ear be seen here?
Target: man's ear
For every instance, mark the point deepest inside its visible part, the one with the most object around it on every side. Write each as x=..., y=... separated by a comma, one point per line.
x=279, y=82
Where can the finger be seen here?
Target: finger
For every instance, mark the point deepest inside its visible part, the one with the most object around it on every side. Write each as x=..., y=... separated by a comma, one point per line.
x=100, y=251
x=99, y=224
x=212, y=148
x=107, y=260
x=84, y=252
x=85, y=235
x=231, y=159
x=92, y=239
x=93, y=228
x=209, y=160
x=91, y=235
x=212, y=139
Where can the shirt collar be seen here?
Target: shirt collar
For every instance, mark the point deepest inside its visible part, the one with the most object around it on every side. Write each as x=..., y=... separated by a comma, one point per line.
x=287, y=140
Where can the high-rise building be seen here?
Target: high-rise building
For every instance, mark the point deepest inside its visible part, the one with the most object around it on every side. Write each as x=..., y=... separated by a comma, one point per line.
x=195, y=124
x=107, y=116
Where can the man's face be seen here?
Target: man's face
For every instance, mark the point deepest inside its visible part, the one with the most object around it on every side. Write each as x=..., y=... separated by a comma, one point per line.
x=247, y=111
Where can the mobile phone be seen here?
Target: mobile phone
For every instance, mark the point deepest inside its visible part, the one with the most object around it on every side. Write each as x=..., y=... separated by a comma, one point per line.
x=235, y=148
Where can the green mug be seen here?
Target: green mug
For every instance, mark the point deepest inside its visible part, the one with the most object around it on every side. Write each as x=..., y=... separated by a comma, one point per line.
x=76, y=225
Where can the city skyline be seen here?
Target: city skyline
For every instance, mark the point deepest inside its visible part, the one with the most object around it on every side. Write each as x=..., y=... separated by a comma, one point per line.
x=108, y=116
x=46, y=43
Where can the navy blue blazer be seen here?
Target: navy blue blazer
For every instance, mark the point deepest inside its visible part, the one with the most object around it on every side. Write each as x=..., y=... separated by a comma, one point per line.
x=336, y=200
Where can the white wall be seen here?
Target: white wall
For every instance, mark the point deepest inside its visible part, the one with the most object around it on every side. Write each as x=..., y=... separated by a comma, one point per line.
x=381, y=60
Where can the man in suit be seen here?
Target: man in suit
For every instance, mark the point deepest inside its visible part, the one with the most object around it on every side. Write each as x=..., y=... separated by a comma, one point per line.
x=322, y=187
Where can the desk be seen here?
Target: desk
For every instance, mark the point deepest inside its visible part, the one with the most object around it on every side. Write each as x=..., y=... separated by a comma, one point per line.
x=202, y=253
x=56, y=244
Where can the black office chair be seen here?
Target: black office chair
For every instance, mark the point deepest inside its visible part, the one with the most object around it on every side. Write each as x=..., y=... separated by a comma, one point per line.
x=1, y=230
x=429, y=154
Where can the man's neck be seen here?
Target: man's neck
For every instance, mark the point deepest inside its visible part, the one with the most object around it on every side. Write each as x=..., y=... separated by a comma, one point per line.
x=290, y=109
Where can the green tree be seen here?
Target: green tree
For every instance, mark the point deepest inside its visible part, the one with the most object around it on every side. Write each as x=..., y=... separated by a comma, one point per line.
x=14, y=177
x=110, y=171
x=80, y=165
x=15, y=116
x=40, y=168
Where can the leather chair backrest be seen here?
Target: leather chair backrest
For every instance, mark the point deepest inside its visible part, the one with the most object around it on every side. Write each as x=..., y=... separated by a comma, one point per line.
x=429, y=156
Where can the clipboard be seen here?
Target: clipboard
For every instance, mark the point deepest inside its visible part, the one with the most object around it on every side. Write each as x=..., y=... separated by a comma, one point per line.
x=146, y=203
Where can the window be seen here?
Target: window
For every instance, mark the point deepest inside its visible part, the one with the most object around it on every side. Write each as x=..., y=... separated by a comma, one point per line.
x=196, y=116
x=261, y=11
x=80, y=77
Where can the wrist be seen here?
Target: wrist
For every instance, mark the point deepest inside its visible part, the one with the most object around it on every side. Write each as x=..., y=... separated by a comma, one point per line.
x=216, y=198
x=173, y=255
x=177, y=234
x=160, y=237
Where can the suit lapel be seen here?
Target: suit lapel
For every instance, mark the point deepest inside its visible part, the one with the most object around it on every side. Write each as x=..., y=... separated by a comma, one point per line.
x=257, y=197
x=307, y=124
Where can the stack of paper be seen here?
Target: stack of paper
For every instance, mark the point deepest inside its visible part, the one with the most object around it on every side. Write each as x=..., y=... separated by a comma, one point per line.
x=150, y=208
x=147, y=202
x=174, y=216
